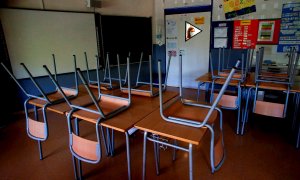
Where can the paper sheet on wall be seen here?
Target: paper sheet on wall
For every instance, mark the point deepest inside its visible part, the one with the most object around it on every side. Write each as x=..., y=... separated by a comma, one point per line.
x=220, y=42
x=171, y=28
x=220, y=32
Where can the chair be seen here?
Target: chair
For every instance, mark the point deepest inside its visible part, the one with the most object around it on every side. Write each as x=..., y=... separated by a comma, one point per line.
x=189, y=113
x=277, y=82
x=38, y=130
x=230, y=101
x=100, y=109
x=142, y=88
x=108, y=82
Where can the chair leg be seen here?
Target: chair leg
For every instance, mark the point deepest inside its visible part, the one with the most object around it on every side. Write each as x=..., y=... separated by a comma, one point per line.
x=40, y=150
x=104, y=139
x=144, y=154
x=74, y=167
x=191, y=161
x=80, y=169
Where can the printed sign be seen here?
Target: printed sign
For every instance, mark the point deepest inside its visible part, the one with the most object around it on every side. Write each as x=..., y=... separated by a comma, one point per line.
x=199, y=20
x=290, y=27
x=245, y=34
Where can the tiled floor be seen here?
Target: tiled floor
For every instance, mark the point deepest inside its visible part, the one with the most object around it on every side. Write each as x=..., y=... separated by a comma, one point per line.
x=266, y=151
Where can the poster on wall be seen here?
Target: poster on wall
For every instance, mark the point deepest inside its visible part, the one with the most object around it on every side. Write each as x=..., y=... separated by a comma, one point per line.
x=234, y=8
x=220, y=37
x=289, y=35
x=268, y=31
x=171, y=37
x=245, y=34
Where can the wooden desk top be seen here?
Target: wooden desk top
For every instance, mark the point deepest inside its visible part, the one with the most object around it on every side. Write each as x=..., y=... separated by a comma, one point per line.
x=153, y=123
x=140, y=108
x=63, y=107
x=207, y=78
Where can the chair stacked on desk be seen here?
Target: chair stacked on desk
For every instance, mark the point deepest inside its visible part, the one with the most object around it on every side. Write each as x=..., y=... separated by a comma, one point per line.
x=179, y=113
x=108, y=82
x=98, y=110
x=37, y=128
x=230, y=101
x=143, y=88
x=281, y=81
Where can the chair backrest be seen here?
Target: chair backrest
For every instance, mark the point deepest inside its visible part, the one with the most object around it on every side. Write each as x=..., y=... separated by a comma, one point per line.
x=225, y=61
x=281, y=81
x=43, y=95
x=93, y=100
x=189, y=122
x=284, y=76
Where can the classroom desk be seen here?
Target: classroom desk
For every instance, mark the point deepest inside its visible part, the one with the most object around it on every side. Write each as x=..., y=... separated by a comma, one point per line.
x=248, y=86
x=154, y=124
x=61, y=108
x=124, y=122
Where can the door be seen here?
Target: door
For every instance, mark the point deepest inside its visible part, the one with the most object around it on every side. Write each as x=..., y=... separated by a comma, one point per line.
x=195, y=50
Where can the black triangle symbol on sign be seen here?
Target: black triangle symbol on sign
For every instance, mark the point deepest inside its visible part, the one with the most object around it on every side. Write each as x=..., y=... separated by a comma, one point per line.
x=191, y=31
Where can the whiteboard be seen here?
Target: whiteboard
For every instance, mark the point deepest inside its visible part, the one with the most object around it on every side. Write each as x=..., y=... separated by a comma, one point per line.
x=32, y=36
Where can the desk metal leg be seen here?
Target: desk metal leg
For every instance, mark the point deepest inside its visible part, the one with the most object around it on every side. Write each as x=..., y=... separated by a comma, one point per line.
x=128, y=155
x=174, y=151
x=144, y=154
x=112, y=141
x=296, y=102
x=36, y=114
x=239, y=110
x=156, y=154
x=298, y=137
x=198, y=91
x=108, y=142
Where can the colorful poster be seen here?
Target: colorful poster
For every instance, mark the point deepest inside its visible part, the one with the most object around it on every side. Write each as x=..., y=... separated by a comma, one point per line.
x=245, y=34
x=234, y=8
x=289, y=35
x=268, y=31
